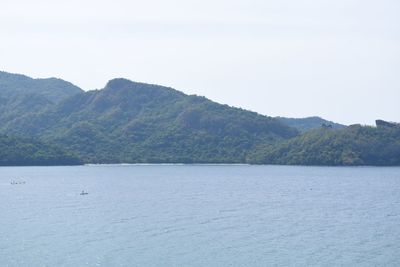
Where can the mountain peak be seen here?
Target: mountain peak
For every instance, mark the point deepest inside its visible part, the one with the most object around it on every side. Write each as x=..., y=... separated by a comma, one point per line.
x=131, y=88
x=118, y=83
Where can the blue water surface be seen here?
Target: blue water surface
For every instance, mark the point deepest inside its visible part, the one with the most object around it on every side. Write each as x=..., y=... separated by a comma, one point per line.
x=192, y=215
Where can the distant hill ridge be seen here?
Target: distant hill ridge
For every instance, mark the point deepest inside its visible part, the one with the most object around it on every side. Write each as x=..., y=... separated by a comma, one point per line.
x=132, y=122
x=309, y=123
x=137, y=122
x=54, y=89
x=351, y=146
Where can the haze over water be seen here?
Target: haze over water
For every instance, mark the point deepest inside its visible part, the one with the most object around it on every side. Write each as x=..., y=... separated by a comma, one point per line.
x=192, y=215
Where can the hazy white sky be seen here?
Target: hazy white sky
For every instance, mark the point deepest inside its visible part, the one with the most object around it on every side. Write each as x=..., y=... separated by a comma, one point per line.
x=336, y=59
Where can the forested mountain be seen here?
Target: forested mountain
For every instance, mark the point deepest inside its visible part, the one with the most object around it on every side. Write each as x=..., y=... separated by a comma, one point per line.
x=23, y=151
x=309, y=123
x=353, y=145
x=143, y=123
x=53, y=89
x=136, y=122
x=22, y=96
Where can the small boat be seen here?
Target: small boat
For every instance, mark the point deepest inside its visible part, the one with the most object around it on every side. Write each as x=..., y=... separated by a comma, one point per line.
x=83, y=193
x=13, y=182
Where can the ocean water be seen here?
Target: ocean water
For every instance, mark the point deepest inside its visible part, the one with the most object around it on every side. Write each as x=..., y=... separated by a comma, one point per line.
x=199, y=215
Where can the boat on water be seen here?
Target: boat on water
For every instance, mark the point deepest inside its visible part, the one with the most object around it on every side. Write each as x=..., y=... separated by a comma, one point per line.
x=17, y=182
x=83, y=193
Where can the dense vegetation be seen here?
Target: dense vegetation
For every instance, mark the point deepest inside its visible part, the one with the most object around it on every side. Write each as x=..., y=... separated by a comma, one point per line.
x=52, y=89
x=22, y=151
x=136, y=122
x=354, y=145
x=309, y=123
x=22, y=96
x=143, y=123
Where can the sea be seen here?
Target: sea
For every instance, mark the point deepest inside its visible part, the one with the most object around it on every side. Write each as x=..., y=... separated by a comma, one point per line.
x=199, y=215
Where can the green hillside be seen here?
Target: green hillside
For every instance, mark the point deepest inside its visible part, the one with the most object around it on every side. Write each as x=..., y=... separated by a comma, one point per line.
x=53, y=89
x=144, y=123
x=354, y=145
x=22, y=151
x=136, y=122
